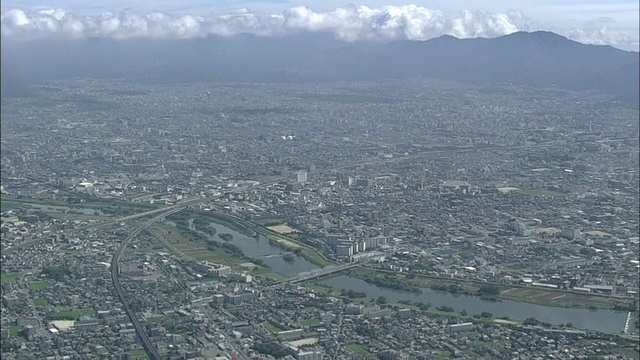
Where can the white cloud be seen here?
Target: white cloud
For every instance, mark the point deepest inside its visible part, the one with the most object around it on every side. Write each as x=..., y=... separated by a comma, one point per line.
x=627, y=39
x=350, y=23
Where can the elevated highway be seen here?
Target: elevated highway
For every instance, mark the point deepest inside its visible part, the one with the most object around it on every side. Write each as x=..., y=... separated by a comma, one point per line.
x=153, y=353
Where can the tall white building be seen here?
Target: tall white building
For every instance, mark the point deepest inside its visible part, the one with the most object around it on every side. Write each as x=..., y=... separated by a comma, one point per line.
x=302, y=176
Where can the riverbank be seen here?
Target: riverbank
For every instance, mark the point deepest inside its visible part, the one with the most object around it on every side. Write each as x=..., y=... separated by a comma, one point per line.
x=280, y=240
x=606, y=321
x=443, y=311
x=192, y=251
x=254, y=230
x=528, y=294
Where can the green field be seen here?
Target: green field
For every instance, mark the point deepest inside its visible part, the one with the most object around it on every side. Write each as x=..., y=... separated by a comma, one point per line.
x=271, y=327
x=71, y=314
x=443, y=354
x=139, y=354
x=40, y=302
x=260, y=271
x=14, y=330
x=6, y=277
x=358, y=349
x=38, y=285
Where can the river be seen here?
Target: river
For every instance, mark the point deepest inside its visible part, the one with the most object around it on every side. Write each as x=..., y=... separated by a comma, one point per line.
x=606, y=321
x=260, y=248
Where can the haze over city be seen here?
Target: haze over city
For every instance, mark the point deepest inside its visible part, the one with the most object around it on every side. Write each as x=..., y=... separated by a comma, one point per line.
x=317, y=180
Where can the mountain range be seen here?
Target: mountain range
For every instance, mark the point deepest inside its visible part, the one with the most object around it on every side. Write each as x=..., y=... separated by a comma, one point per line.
x=536, y=59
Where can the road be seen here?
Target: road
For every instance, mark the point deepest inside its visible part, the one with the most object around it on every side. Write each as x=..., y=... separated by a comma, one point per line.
x=152, y=352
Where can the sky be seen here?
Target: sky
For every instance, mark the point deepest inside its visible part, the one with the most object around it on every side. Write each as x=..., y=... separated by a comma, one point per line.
x=603, y=22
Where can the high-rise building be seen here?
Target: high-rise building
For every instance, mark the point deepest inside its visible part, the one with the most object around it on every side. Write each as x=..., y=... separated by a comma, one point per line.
x=301, y=176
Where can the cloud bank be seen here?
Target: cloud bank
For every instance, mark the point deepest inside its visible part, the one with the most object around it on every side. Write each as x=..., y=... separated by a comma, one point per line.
x=352, y=23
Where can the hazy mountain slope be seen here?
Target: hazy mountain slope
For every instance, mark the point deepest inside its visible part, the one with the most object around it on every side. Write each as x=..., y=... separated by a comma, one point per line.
x=539, y=59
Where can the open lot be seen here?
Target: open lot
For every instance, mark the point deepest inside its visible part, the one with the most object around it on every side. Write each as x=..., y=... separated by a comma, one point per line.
x=282, y=229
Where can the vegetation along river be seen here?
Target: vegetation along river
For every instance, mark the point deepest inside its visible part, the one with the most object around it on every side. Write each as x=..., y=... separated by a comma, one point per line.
x=607, y=321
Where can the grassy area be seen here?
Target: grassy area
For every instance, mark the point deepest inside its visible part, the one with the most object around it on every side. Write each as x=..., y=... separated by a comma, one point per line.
x=293, y=245
x=310, y=322
x=260, y=271
x=271, y=327
x=14, y=330
x=6, y=277
x=40, y=302
x=561, y=298
x=38, y=285
x=9, y=205
x=187, y=249
x=444, y=355
x=358, y=349
x=471, y=353
x=71, y=314
x=139, y=354
x=179, y=245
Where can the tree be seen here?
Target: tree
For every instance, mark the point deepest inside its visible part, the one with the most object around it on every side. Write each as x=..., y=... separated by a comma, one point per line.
x=381, y=300
x=489, y=289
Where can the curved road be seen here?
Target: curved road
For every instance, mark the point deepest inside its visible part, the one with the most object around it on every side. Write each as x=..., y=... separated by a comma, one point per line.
x=115, y=267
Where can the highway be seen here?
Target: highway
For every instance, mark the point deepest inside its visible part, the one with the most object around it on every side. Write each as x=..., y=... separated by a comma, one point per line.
x=163, y=210
x=115, y=269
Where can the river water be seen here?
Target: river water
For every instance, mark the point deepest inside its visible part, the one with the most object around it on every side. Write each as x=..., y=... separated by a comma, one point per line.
x=607, y=321
x=260, y=248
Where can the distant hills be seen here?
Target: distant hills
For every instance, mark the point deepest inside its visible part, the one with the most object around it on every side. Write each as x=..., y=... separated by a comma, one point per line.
x=536, y=59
